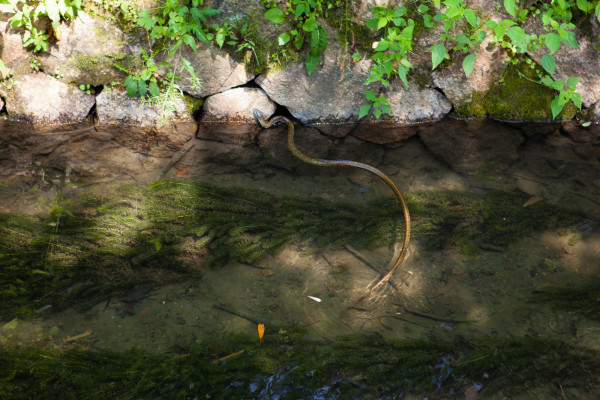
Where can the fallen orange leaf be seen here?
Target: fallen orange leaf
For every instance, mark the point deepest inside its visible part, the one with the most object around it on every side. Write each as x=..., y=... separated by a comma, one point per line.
x=183, y=171
x=261, y=331
x=532, y=201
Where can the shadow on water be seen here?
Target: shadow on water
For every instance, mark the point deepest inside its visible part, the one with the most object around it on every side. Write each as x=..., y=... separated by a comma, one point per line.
x=155, y=290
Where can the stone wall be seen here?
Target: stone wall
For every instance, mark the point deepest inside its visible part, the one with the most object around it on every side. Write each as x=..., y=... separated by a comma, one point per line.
x=235, y=87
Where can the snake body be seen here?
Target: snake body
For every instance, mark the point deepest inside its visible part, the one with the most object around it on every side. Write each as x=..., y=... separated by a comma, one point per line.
x=338, y=163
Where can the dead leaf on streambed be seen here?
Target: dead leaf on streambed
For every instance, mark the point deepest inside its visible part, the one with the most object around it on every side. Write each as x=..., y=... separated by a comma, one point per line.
x=532, y=201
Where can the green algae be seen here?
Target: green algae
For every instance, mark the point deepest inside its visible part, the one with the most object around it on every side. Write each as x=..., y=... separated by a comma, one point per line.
x=518, y=97
x=584, y=301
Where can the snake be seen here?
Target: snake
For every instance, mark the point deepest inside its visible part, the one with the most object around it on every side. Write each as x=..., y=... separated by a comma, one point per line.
x=347, y=163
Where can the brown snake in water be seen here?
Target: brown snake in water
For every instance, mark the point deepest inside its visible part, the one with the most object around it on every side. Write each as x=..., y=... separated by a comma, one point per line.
x=337, y=163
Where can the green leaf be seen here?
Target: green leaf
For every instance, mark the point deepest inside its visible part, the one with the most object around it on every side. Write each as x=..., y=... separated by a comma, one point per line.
x=583, y=5
x=153, y=88
x=299, y=42
x=572, y=81
x=318, y=40
x=52, y=10
x=548, y=63
x=402, y=71
x=131, y=86
x=189, y=40
x=370, y=95
x=556, y=107
x=364, y=111
x=423, y=8
x=510, y=7
x=311, y=62
x=274, y=15
x=597, y=11
x=157, y=244
x=576, y=99
x=299, y=11
x=283, y=38
x=381, y=23
x=355, y=57
x=310, y=24
x=552, y=41
x=438, y=53
x=428, y=21
x=519, y=37
x=144, y=20
x=471, y=17
x=586, y=124
x=468, y=64
x=3, y=70
x=142, y=87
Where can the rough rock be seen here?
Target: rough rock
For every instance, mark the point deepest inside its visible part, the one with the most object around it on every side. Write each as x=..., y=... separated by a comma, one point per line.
x=44, y=100
x=137, y=125
x=238, y=104
x=334, y=91
x=11, y=43
x=583, y=63
x=479, y=144
x=91, y=156
x=1, y=104
x=87, y=51
x=383, y=132
x=229, y=116
x=217, y=70
x=487, y=68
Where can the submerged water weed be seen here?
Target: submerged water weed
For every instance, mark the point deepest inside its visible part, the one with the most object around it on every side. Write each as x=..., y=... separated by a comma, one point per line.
x=583, y=300
x=172, y=230
x=287, y=364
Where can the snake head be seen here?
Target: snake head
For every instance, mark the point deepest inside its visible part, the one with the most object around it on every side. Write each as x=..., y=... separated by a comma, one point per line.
x=258, y=117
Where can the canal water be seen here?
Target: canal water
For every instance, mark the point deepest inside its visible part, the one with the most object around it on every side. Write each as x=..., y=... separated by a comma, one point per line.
x=503, y=267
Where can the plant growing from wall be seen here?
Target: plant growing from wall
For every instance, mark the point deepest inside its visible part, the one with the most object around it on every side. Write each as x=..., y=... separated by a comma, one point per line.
x=301, y=16
x=464, y=31
x=26, y=13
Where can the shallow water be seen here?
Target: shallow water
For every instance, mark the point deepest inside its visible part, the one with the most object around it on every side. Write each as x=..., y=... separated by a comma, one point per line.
x=442, y=292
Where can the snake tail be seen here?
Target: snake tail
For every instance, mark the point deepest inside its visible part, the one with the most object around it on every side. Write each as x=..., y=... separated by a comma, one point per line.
x=339, y=163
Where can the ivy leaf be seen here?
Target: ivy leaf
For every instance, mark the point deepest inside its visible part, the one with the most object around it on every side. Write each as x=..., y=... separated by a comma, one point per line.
x=428, y=21
x=572, y=81
x=438, y=53
x=510, y=7
x=548, y=63
x=283, y=38
x=131, y=86
x=364, y=111
x=553, y=42
x=275, y=15
x=467, y=64
x=145, y=20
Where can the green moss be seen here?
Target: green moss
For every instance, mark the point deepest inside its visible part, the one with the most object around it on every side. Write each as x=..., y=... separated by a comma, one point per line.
x=517, y=98
x=98, y=68
x=193, y=103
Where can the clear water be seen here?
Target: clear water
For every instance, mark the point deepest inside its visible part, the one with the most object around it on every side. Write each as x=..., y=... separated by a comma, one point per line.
x=436, y=294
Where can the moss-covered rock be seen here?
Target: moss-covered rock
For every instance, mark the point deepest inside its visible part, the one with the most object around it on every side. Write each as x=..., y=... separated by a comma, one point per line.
x=518, y=97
